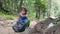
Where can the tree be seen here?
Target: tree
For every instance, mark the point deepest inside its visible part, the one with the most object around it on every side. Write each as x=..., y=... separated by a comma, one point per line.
x=37, y=5
x=40, y=7
x=1, y=7
x=49, y=8
x=21, y=3
x=0, y=4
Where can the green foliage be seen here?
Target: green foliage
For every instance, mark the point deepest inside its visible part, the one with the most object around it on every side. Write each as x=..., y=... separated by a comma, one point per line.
x=40, y=6
x=32, y=15
x=11, y=5
x=31, y=5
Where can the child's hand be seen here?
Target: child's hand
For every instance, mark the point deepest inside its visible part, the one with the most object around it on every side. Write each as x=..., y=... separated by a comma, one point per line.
x=27, y=16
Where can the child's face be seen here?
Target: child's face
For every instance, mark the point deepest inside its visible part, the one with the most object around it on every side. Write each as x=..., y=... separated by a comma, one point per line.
x=23, y=11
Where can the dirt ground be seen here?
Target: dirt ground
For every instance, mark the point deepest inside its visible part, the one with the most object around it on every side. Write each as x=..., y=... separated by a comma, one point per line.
x=6, y=26
x=35, y=27
x=9, y=30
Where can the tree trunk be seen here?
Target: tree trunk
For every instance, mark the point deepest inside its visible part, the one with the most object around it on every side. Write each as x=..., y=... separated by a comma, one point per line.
x=49, y=8
x=38, y=13
x=0, y=4
x=21, y=2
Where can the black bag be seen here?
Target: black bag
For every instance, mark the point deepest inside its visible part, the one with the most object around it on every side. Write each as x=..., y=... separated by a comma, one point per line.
x=19, y=27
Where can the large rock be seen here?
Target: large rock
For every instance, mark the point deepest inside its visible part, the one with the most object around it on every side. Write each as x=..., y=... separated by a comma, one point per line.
x=40, y=28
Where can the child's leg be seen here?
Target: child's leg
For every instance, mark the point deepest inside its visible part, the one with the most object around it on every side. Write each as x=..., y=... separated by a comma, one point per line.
x=21, y=20
x=27, y=28
x=26, y=20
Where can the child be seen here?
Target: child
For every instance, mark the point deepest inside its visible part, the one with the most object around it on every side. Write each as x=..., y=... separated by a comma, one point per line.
x=23, y=18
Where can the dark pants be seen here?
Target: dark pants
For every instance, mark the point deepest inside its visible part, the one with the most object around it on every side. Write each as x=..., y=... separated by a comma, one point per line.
x=25, y=21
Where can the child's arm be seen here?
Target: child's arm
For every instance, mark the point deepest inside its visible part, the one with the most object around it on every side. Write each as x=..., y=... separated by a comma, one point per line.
x=27, y=15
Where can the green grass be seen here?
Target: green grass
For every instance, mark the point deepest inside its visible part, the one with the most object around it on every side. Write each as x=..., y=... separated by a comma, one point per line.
x=30, y=16
x=7, y=16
